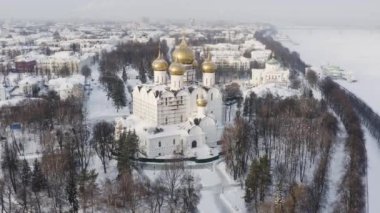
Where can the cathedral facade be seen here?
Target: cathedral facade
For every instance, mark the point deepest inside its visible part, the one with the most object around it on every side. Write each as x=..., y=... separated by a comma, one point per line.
x=176, y=114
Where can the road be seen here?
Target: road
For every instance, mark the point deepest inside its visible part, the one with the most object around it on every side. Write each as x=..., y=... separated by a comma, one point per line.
x=218, y=190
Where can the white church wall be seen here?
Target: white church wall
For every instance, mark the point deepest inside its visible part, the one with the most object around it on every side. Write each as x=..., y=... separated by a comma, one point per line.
x=195, y=135
x=209, y=128
x=161, y=146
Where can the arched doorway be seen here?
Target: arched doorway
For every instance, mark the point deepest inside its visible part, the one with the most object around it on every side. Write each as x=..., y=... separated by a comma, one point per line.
x=194, y=144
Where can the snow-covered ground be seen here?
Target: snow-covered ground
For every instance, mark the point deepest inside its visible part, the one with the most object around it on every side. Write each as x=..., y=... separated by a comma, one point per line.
x=373, y=154
x=276, y=90
x=219, y=193
x=99, y=106
x=11, y=102
x=355, y=50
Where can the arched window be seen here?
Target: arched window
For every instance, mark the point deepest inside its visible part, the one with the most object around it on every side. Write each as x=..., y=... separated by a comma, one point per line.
x=212, y=96
x=197, y=96
x=173, y=141
x=159, y=143
x=166, y=120
x=194, y=144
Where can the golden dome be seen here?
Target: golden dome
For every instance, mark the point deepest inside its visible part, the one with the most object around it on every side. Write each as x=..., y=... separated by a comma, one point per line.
x=176, y=68
x=208, y=66
x=183, y=53
x=159, y=64
x=201, y=102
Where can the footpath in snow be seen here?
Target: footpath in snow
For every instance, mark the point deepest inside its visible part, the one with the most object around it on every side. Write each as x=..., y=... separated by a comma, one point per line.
x=373, y=177
x=99, y=106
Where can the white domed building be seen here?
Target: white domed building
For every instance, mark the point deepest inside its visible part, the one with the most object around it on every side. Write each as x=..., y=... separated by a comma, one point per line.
x=272, y=73
x=177, y=115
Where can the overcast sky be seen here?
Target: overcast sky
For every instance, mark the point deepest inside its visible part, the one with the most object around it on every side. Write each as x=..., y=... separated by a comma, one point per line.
x=277, y=11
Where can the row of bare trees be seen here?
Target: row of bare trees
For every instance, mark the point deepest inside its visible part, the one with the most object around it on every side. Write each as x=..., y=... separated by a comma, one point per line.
x=288, y=58
x=284, y=139
x=135, y=54
x=368, y=117
x=352, y=189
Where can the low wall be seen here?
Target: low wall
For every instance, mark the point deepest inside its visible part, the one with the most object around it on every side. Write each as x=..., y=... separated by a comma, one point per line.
x=171, y=160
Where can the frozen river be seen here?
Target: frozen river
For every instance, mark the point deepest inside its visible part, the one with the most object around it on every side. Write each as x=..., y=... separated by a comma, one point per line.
x=355, y=50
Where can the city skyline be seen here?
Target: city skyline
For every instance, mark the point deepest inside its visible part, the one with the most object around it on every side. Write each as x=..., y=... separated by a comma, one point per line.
x=339, y=12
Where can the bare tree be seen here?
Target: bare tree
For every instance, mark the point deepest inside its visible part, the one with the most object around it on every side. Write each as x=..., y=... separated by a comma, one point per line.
x=103, y=141
x=190, y=192
x=237, y=147
x=171, y=178
x=86, y=72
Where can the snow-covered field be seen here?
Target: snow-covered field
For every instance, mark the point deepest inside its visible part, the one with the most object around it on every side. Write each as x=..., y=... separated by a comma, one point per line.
x=355, y=50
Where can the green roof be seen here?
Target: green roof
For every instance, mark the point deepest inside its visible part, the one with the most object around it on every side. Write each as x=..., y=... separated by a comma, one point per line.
x=272, y=61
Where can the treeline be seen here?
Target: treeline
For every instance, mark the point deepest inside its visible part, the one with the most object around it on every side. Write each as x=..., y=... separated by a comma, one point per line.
x=43, y=113
x=138, y=55
x=288, y=58
x=277, y=142
x=368, y=117
x=352, y=189
x=134, y=54
x=115, y=89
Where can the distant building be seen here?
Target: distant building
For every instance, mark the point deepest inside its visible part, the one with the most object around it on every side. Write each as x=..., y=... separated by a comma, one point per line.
x=272, y=73
x=67, y=87
x=228, y=56
x=50, y=65
x=25, y=66
x=54, y=64
x=336, y=72
x=260, y=56
x=28, y=87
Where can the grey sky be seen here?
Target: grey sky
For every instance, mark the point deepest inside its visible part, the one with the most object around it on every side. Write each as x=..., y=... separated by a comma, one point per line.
x=277, y=11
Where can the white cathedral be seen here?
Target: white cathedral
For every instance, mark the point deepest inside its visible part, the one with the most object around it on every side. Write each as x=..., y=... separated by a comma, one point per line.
x=177, y=115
